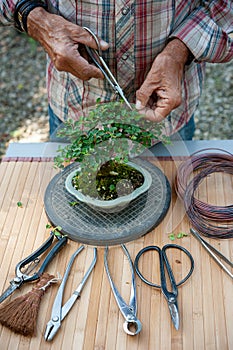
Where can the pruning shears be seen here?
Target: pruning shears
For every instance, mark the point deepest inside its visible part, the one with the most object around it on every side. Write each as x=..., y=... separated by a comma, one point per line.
x=22, y=274
x=96, y=56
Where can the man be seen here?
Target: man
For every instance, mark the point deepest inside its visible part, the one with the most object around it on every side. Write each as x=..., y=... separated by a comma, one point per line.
x=156, y=49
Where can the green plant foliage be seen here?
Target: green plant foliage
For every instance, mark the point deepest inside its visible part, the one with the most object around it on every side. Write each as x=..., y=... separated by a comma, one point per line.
x=110, y=131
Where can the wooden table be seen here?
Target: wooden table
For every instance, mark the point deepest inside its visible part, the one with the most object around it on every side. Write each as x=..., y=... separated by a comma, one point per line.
x=205, y=300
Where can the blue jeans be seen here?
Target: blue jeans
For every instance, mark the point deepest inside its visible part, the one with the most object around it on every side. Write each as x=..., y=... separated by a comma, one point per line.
x=54, y=123
x=185, y=133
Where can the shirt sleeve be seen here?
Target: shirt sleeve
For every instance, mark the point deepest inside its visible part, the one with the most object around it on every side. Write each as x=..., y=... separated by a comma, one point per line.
x=7, y=8
x=208, y=31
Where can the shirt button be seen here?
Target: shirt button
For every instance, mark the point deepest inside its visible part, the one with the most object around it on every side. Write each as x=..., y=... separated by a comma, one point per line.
x=125, y=10
x=125, y=56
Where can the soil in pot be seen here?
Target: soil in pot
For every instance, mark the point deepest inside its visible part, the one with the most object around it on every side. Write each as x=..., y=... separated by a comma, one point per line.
x=112, y=180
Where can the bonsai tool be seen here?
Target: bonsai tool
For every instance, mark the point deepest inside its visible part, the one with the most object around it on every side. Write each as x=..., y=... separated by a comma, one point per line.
x=98, y=60
x=59, y=312
x=22, y=276
x=214, y=253
x=171, y=296
x=132, y=325
x=20, y=314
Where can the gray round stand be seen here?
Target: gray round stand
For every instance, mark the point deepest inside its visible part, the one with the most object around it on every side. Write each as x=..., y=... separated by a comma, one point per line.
x=86, y=225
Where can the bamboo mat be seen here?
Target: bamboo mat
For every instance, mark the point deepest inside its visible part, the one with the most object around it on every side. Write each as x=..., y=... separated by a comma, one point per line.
x=205, y=300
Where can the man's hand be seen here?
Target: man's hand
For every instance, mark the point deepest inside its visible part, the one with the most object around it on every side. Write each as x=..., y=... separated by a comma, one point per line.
x=161, y=91
x=61, y=39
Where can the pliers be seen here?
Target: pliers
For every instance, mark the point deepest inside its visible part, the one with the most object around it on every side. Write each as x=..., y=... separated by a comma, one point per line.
x=59, y=312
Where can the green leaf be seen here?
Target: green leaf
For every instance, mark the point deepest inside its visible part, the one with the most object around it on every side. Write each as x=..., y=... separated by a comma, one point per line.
x=72, y=204
x=20, y=204
x=172, y=236
x=182, y=234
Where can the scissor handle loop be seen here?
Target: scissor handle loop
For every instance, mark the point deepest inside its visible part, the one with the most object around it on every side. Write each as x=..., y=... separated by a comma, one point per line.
x=95, y=38
x=163, y=251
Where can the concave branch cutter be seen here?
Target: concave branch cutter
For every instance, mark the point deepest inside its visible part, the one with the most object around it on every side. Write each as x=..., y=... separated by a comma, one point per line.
x=132, y=325
x=22, y=275
x=59, y=312
x=96, y=56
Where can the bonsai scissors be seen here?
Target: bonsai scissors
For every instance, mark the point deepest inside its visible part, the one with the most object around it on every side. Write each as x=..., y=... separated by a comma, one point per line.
x=132, y=325
x=22, y=276
x=59, y=312
x=171, y=297
x=97, y=58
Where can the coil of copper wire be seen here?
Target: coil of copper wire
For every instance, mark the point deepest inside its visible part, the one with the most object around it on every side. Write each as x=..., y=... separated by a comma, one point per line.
x=210, y=220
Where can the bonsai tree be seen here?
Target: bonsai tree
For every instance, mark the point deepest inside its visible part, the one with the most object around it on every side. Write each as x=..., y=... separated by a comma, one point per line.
x=102, y=143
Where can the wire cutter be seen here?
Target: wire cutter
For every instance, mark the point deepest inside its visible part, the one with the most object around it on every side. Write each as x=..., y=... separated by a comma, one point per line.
x=59, y=312
x=22, y=275
x=132, y=325
x=96, y=56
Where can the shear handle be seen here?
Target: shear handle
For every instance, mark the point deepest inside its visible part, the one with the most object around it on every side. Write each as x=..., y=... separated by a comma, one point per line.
x=165, y=263
x=62, y=241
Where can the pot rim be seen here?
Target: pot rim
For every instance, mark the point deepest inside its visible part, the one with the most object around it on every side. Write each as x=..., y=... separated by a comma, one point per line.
x=107, y=204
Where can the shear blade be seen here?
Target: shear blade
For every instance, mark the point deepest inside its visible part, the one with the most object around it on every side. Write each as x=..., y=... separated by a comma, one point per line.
x=8, y=291
x=174, y=315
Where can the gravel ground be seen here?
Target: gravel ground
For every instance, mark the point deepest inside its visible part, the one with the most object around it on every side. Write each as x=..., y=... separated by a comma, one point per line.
x=23, y=100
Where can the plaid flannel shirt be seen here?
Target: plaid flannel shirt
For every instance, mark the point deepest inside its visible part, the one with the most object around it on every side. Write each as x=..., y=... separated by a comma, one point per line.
x=137, y=31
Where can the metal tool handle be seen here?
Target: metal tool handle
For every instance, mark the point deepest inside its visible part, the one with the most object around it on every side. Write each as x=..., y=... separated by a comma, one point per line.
x=61, y=242
x=32, y=257
x=167, y=246
x=164, y=263
x=70, y=302
x=59, y=245
x=128, y=311
x=184, y=250
x=58, y=300
x=211, y=250
x=56, y=316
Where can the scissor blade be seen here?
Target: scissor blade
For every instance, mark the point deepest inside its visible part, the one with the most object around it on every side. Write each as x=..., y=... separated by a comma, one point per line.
x=9, y=291
x=174, y=312
x=112, y=80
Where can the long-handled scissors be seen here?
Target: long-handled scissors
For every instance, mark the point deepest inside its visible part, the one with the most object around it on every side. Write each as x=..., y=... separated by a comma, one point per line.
x=22, y=275
x=59, y=312
x=171, y=296
x=132, y=325
x=97, y=58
